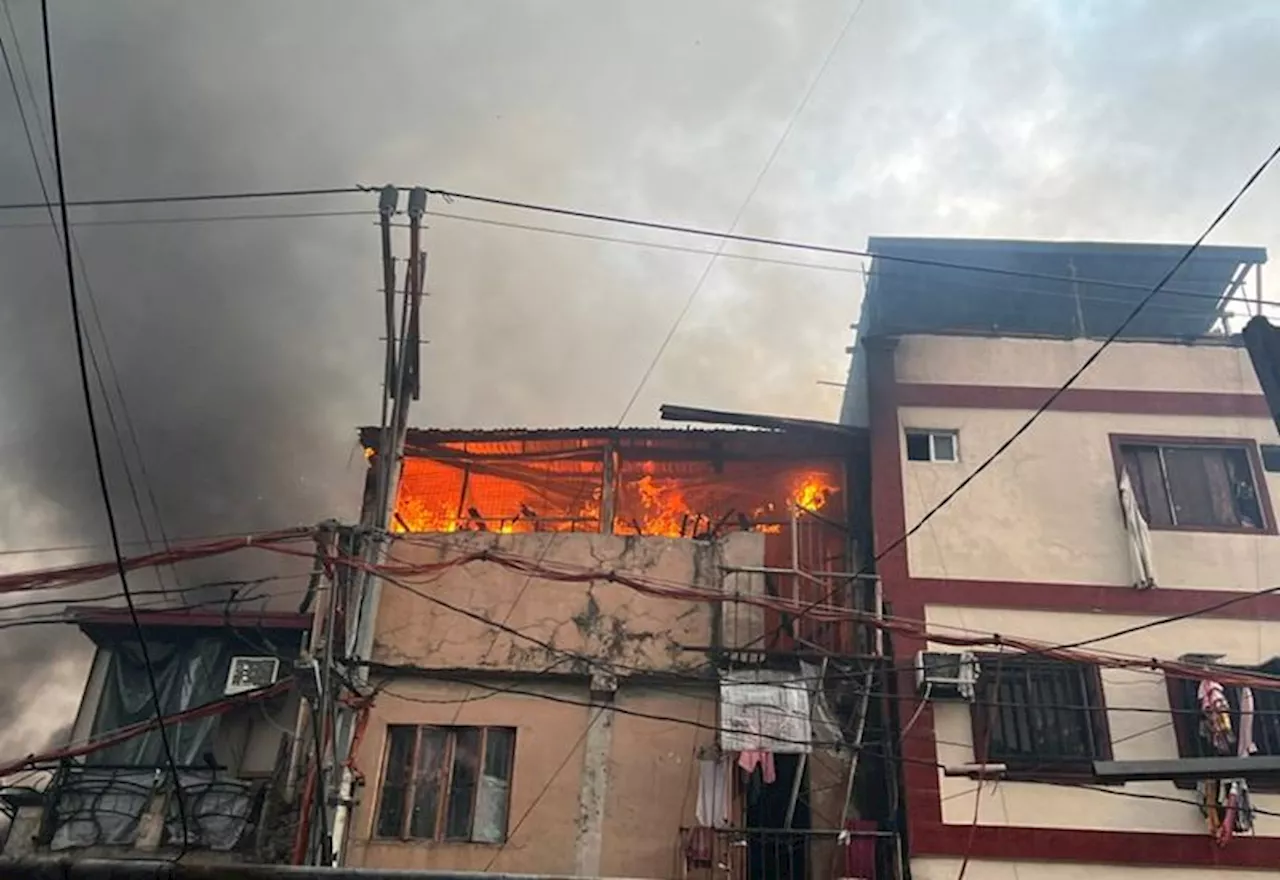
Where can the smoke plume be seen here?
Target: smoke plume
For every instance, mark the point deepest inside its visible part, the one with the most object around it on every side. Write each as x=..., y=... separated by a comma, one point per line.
x=247, y=350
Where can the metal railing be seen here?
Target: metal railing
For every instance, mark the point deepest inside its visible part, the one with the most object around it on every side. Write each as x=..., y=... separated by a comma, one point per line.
x=782, y=854
x=88, y=805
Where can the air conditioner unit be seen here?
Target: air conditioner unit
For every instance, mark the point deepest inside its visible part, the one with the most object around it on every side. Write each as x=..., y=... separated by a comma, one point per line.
x=251, y=673
x=944, y=676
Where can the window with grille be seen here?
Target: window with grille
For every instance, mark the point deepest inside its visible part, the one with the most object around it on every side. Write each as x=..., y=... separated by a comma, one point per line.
x=1193, y=739
x=1195, y=484
x=1039, y=717
x=446, y=783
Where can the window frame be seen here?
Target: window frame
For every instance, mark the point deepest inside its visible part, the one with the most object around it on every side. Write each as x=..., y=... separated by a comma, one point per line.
x=1247, y=445
x=1050, y=770
x=932, y=435
x=1186, y=722
x=440, y=831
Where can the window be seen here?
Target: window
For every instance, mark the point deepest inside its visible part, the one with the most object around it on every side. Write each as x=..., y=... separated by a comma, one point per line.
x=932, y=445
x=1041, y=718
x=1193, y=740
x=446, y=783
x=1200, y=485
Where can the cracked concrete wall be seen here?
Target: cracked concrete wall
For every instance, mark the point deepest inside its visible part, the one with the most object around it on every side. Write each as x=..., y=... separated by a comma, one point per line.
x=545, y=780
x=601, y=620
x=644, y=771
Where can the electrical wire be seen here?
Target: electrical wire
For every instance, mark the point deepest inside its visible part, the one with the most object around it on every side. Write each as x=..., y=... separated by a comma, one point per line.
x=595, y=216
x=93, y=424
x=109, y=738
x=792, y=244
x=701, y=725
x=573, y=750
x=737, y=217
x=75, y=548
x=91, y=298
x=201, y=197
x=212, y=218
x=1070, y=381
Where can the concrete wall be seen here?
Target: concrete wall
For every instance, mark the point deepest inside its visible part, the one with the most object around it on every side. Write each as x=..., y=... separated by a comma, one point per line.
x=1137, y=714
x=980, y=869
x=1046, y=515
x=602, y=620
x=1044, y=363
x=637, y=805
x=1047, y=509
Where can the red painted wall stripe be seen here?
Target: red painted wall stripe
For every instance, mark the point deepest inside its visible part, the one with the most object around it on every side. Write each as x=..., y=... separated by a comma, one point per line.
x=1033, y=596
x=908, y=596
x=1106, y=400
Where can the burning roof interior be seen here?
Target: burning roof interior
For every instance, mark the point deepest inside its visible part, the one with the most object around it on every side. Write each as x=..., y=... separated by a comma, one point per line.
x=921, y=285
x=652, y=482
x=802, y=487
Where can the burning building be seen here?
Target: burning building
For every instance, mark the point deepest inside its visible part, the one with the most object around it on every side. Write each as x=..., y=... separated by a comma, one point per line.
x=623, y=652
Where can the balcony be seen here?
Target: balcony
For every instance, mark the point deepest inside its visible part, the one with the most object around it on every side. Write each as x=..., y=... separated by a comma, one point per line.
x=794, y=854
x=118, y=811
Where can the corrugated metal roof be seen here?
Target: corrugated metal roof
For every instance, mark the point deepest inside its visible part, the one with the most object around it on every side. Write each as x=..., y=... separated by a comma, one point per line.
x=938, y=285
x=369, y=434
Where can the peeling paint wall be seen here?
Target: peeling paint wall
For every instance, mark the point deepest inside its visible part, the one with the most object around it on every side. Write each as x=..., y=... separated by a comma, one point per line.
x=644, y=771
x=602, y=620
x=593, y=793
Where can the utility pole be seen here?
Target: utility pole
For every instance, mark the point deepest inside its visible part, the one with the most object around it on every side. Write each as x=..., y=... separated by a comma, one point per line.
x=401, y=386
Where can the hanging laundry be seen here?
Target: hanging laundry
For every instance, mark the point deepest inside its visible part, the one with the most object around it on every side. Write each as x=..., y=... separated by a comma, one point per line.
x=748, y=761
x=1237, y=813
x=699, y=847
x=713, y=793
x=1215, y=717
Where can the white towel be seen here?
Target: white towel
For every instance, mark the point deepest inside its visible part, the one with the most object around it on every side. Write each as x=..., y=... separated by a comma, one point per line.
x=713, y=794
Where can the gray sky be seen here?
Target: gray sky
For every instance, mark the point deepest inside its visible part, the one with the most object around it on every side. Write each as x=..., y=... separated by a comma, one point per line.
x=247, y=351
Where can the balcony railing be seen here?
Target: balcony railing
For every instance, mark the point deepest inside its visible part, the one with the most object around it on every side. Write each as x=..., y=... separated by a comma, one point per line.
x=780, y=854
x=131, y=807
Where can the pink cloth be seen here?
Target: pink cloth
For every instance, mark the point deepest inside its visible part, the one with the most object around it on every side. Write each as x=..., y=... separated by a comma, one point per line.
x=748, y=761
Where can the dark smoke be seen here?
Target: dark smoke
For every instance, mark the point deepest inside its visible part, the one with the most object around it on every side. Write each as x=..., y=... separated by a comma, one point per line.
x=238, y=347
x=248, y=351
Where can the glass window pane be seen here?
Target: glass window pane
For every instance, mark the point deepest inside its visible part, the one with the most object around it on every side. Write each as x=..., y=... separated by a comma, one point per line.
x=498, y=751
x=462, y=786
x=395, y=781
x=429, y=780
x=917, y=446
x=944, y=447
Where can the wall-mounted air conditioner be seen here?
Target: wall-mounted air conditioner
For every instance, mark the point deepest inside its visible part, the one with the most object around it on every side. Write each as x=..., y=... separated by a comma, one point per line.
x=946, y=676
x=251, y=673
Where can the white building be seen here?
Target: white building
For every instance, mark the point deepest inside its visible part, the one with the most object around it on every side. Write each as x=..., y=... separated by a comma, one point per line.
x=949, y=365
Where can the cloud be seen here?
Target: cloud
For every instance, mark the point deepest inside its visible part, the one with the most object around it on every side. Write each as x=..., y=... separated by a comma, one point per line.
x=247, y=351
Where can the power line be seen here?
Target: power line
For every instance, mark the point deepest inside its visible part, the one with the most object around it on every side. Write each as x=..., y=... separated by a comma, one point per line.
x=70, y=242
x=71, y=548
x=81, y=361
x=737, y=218
x=793, y=244
x=1065, y=386
x=200, y=197
x=212, y=218
x=573, y=750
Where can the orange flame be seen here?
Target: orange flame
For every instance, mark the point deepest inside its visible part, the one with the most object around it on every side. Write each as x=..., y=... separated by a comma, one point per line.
x=651, y=502
x=811, y=492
